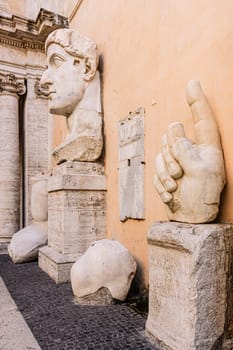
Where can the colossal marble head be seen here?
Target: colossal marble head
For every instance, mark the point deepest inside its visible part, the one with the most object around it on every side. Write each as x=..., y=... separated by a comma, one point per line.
x=73, y=88
x=72, y=63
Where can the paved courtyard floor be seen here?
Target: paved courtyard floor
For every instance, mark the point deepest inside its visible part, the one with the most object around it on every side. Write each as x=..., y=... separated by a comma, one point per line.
x=57, y=323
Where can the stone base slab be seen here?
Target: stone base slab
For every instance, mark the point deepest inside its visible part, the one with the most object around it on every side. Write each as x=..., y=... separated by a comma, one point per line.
x=190, y=279
x=55, y=264
x=3, y=247
x=100, y=297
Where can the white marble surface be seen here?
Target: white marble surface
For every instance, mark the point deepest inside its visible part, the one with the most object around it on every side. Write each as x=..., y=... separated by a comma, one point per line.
x=190, y=176
x=106, y=263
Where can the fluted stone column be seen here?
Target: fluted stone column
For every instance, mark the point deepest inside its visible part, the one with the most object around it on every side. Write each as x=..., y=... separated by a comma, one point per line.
x=10, y=89
x=35, y=136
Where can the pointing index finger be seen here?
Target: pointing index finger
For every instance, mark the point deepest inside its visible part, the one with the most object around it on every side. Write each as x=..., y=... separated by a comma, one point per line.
x=206, y=129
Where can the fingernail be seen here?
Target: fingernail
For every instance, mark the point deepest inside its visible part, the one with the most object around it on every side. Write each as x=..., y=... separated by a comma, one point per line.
x=166, y=197
x=175, y=171
x=170, y=185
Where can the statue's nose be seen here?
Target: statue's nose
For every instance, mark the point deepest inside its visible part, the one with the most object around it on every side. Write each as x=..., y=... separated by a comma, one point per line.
x=46, y=80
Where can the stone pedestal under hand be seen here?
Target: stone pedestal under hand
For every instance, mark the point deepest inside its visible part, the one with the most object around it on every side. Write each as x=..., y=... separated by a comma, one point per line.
x=76, y=216
x=190, y=279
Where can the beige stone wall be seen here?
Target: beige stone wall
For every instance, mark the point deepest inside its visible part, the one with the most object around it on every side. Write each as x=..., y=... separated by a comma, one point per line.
x=23, y=60
x=30, y=8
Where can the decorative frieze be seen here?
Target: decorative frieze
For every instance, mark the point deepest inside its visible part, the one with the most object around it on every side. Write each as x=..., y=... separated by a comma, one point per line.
x=21, y=44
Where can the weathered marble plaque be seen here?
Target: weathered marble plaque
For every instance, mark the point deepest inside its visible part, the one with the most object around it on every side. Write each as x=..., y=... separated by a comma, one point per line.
x=131, y=166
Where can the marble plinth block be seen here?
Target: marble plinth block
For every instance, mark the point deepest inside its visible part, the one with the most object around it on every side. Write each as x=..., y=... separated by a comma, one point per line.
x=76, y=216
x=190, y=286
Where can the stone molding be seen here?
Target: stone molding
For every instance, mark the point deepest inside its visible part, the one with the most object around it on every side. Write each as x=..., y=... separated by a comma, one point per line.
x=79, y=176
x=24, y=33
x=10, y=84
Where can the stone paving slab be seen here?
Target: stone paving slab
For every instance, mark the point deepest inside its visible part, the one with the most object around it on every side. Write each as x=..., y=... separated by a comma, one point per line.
x=58, y=323
x=14, y=331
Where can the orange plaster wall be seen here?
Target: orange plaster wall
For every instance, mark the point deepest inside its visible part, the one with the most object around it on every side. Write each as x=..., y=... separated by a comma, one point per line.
x=150, y=49
x=122, y=32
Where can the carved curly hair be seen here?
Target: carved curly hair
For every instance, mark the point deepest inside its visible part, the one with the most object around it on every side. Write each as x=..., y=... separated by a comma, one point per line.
x=74, y=44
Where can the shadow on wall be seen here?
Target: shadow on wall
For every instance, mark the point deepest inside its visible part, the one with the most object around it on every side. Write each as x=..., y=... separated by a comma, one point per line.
x=138, y=295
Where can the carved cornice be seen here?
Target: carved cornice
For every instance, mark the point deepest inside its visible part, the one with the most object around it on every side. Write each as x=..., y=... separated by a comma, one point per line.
x=24, y=33
x=9, y=84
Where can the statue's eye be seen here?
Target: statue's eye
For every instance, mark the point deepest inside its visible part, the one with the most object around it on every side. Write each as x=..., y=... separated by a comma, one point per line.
x=57, y=61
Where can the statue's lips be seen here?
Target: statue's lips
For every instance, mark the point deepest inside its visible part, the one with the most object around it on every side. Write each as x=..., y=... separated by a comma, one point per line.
x=50, y=94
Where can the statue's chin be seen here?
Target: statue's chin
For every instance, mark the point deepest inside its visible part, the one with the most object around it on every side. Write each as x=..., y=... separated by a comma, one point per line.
x=60, y=110
x=64, y=105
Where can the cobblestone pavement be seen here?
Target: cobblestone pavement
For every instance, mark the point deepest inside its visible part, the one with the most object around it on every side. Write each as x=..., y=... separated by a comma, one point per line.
x=59, y=324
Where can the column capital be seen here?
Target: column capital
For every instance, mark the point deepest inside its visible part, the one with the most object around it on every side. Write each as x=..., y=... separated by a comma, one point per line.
x=39, y=91
x=10, y=84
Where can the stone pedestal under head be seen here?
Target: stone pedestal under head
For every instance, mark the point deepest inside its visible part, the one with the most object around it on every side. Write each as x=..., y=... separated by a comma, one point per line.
x=25, y=244
x=190, y=176
x=190, y=279
x=103, y=273
x=76, y=216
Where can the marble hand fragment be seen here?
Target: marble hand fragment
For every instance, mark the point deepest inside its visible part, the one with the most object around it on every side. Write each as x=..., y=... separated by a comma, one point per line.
x=190, y=176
